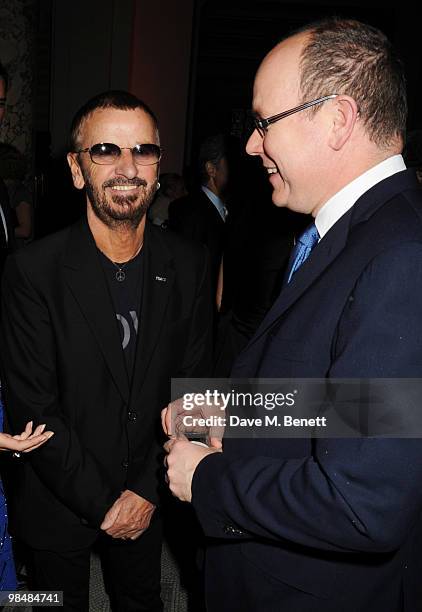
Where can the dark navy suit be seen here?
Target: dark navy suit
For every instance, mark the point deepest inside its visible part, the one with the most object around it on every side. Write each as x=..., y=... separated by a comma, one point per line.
x=300, y=525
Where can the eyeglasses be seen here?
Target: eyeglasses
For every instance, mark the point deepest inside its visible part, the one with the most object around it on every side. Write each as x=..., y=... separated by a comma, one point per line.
x=261, y=125
x=107, y=153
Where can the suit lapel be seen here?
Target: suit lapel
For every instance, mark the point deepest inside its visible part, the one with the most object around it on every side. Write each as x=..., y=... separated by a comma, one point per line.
x=85, y=278
x=158, y=279
x=333, y=243
x=321, y=257
x=211, y=209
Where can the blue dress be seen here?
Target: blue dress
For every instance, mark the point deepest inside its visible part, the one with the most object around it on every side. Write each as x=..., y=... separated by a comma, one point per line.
x=8, y=580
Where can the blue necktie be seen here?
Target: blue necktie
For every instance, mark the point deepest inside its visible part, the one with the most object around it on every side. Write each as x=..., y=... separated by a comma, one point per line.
x=302, y=250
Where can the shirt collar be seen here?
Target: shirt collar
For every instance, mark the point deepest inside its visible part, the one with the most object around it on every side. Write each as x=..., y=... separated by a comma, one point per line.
x=344, y=199
x=218, y=203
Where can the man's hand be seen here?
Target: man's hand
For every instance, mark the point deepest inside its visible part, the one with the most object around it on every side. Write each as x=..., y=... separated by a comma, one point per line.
x=182, y=460
x=26, y=441
x=128, y=517
x=172, y=422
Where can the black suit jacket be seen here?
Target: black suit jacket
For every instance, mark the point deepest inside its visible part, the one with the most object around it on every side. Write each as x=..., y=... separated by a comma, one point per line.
x=5, y=248
x=328, y=524
x=63, y=365
x=195, y=217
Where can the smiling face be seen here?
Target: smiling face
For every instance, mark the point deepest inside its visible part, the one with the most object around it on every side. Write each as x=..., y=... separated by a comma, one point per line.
x=293, y=149
x=119, y=194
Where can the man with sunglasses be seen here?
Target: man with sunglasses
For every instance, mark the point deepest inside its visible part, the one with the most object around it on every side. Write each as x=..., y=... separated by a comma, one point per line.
x=325, y=524
x=97, y=319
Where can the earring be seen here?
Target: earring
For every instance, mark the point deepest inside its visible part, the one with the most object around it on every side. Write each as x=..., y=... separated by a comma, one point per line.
x=158, y=185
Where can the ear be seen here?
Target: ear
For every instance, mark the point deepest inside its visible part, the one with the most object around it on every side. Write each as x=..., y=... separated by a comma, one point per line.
x=75, y=169
x=344, y=117
x=211, y=169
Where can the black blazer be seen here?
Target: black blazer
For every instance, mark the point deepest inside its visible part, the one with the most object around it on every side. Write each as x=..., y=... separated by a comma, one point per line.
x=63, y=365
x=5, y=249
x=328, y=524
x=195, y=217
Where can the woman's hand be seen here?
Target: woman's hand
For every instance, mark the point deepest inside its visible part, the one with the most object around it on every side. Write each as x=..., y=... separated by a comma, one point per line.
x=27, y=441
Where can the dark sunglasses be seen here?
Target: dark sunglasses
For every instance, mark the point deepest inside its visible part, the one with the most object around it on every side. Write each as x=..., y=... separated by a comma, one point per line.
x=108, y=153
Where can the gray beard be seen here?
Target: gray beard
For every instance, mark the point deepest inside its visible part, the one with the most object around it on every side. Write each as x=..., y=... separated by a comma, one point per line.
x=126, y=215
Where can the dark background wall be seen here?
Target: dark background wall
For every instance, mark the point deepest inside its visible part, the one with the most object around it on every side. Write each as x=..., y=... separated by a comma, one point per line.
x=91, y=50
x=160, y=66
x=193, y=61
x=232, y=38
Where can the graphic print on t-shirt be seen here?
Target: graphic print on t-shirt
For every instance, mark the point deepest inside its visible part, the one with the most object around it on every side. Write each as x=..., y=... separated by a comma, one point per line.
x=127, y=326
x=126, y=296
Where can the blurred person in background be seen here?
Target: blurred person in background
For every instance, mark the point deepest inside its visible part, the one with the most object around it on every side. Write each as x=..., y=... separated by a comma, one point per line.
x=6, y=224
x=201, y=215
x=12, y=172
x=172, y=187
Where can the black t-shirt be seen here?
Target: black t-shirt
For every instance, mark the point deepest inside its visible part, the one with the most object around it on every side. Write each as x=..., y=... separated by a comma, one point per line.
x=126, y=294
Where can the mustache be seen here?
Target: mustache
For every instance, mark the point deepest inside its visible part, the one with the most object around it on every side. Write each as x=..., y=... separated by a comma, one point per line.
x=135, y=182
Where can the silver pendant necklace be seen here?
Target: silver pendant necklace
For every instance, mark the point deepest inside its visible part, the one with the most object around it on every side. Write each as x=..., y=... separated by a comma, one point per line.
x=120, y=275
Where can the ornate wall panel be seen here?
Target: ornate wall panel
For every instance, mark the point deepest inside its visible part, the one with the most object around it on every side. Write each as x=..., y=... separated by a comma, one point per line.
x=17, y=27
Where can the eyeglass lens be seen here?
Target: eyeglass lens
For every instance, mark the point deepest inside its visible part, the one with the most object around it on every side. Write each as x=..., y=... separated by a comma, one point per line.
x=109, y=153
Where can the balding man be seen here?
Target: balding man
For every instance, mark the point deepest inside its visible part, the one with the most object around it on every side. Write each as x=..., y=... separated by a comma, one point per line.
x=306, y=525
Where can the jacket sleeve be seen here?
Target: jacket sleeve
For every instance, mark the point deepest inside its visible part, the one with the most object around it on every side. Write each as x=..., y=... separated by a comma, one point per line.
x=197, y=356
x=195, y=362
x=31, y=392
x=352, y=494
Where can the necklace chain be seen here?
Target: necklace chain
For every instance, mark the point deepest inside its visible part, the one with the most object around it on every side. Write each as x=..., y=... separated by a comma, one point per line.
x=120, y=273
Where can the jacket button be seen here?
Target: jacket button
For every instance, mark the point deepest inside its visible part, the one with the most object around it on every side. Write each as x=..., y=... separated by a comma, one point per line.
x=229, y=529
x=132, y=416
